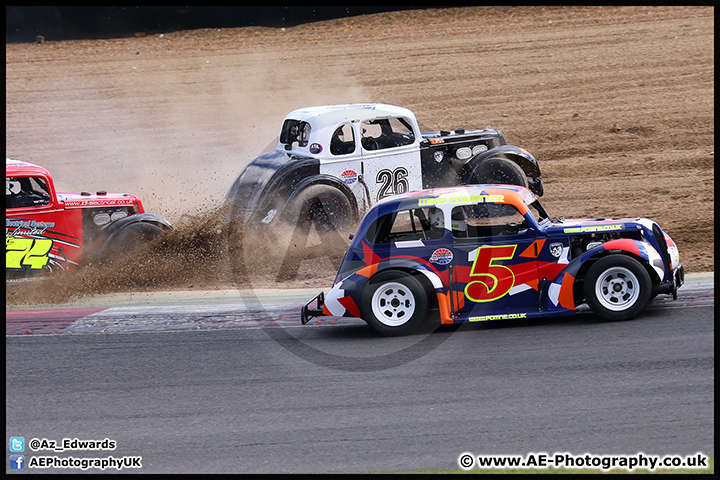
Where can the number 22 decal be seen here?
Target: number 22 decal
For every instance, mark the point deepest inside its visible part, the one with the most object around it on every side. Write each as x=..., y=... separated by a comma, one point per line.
x=498, y=280
x=27, y=252
x=392, y=182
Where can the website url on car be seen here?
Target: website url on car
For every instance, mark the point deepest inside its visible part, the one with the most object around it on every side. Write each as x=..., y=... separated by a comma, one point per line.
x=468, y=461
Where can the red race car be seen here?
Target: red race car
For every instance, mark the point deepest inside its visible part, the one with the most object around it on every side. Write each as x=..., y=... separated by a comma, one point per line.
x=47, y=231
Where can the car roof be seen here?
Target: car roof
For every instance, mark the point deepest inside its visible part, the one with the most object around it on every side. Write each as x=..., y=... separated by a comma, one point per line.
x=448, y=197
x=323, y=116
x=21, y=168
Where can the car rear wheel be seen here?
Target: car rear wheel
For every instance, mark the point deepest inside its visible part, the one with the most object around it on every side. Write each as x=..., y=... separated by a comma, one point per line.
x=617, y=287
x=394, y=303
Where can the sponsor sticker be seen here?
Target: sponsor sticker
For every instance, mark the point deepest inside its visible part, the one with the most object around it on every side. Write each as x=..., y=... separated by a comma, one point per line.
x=595, y=228
x=98, y=202
x=441, y=256
x=18, y=227
x=504, y=316
x=424, y=202
x=556, y=249
x=349, y=177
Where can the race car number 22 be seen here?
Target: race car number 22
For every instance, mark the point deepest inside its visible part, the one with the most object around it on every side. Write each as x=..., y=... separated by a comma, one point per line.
x=27, y=252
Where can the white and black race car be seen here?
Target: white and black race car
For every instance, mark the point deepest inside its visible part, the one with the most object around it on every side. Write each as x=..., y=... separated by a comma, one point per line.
x=332, y=163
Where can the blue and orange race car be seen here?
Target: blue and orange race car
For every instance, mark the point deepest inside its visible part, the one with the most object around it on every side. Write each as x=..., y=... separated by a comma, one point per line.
x=490, y=252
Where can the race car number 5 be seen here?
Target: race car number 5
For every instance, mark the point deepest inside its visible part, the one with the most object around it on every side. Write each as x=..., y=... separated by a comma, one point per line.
x=27, y=252
x=498, y=279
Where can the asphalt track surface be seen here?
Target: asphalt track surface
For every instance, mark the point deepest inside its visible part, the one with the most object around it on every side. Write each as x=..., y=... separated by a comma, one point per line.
x=230, y=382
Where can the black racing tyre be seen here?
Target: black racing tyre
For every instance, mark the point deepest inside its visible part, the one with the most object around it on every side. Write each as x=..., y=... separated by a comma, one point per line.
x=132, y=238
x=321, y=208
x=499, y=170
x=617, y=287
x=394, y=303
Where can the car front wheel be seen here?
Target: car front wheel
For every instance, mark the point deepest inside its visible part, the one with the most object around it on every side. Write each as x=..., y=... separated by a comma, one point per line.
x=133, y=237
x=500, y=171
x=394, y=303
x=321, y=208
x=617, y=287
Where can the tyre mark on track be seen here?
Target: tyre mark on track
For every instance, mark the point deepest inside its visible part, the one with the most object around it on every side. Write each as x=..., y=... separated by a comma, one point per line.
x=26, y=322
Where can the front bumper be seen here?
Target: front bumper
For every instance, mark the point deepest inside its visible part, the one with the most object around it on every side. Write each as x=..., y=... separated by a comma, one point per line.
x=307, y=313
x=671, y=287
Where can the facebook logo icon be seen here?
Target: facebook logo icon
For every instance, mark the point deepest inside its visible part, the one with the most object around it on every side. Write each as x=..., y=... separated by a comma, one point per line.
x=17, y=462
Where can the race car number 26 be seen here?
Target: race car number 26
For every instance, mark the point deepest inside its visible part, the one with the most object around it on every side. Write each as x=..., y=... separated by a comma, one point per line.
x=27, y=252
x=392, y=182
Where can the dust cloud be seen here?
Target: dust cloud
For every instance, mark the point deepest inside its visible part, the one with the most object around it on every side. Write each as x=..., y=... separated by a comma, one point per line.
x=177, y=143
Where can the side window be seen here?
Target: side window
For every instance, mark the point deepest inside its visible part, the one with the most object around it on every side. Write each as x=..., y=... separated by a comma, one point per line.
x=343, y=140
x=486, y=220
x=406, y=225
x=386, y=133
x=26, y=192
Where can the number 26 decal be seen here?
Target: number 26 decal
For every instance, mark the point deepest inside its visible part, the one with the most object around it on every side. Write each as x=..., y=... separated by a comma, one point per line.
x=392, y=182
x=27, y=252
x=497, y=280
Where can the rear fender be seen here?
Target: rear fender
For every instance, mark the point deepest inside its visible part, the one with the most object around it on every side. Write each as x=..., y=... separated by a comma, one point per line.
x=265, y=183
x=344, y=297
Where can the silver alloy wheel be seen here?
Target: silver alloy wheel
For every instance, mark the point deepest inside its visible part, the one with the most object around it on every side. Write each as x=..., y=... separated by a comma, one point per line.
x=617, y=289
x=393, y=304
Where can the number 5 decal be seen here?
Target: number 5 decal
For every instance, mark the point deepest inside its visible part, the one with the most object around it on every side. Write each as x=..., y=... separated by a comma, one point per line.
x=27, y=252
x=498, y=280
